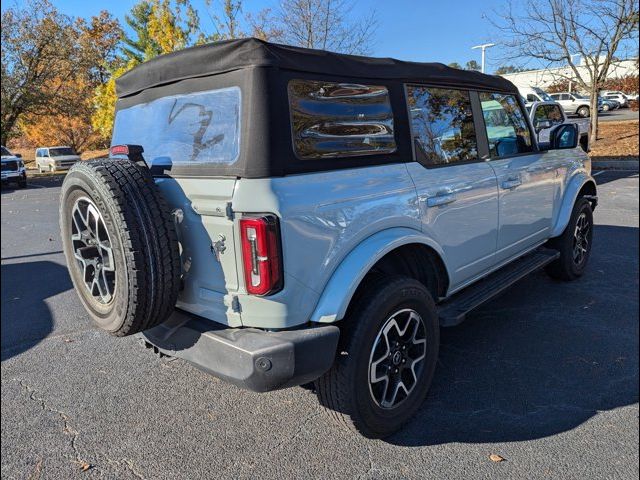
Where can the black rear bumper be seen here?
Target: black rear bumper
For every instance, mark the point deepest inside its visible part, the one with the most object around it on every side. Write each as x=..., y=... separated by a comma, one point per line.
x=248, y=357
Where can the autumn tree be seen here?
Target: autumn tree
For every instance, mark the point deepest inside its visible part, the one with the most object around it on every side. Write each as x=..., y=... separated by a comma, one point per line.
x=38, y=47
x=322, y=24
x=557, y=31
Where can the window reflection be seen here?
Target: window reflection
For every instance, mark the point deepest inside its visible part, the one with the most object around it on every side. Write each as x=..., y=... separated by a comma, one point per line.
x=442, y=125
x=340, y=119
x=506, y=125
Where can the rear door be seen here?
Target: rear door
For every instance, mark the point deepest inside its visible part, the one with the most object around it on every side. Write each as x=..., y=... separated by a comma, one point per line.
x=526, y=178
x=457, y=190
x=181, y=134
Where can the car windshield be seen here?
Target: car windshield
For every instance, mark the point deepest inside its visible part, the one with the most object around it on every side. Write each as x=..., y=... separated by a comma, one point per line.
x=5, y=152
x=61, y=151
x=542, y=94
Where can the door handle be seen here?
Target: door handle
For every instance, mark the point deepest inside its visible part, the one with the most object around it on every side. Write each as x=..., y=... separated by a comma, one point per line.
x=511, y=183
x=441, y=199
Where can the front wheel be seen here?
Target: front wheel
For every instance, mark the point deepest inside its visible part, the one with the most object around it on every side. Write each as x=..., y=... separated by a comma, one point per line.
x=583, y=112
x=386, y=358
x=574, y=244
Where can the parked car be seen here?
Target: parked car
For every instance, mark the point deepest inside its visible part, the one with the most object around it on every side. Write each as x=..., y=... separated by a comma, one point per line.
x=618, y=96
x=574, y=103
x=608, y=105
x=13, y=170
x=547, y=115
x=534, y=94
x=278, y=215
x=53, y=159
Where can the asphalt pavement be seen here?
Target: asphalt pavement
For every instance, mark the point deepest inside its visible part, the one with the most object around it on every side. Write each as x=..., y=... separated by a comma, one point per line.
x=545, y=376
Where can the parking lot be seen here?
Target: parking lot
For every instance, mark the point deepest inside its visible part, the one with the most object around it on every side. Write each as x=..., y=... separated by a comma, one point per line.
x=545, y=376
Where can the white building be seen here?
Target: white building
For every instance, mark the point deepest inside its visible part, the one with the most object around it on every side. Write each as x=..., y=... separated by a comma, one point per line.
x=544, y=78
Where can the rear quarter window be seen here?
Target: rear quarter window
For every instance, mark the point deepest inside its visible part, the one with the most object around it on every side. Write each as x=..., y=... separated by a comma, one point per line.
x=332, y=120
x=187, y=129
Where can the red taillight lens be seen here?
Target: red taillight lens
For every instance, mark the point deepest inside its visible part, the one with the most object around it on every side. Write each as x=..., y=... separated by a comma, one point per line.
x=261, y=254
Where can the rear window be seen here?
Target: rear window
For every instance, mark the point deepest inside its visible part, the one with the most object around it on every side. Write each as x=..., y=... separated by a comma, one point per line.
x=188, y=129
x=340, y=119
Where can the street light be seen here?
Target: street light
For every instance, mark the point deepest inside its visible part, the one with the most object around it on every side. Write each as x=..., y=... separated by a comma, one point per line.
x=483, y=47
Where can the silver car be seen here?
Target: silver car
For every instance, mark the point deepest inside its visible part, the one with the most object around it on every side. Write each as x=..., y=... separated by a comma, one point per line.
x=279, y=216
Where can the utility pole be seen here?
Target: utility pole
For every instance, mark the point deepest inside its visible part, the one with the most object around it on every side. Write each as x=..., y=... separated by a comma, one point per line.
x=483, y=47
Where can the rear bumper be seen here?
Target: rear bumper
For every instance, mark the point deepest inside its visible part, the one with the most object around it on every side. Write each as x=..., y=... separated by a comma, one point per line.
x=247, y=357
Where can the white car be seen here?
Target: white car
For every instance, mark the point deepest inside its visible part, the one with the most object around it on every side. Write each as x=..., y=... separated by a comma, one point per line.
x=618, y=96
x=573, y=103
x=534, y=94
x=53, y=159
x=13, y=169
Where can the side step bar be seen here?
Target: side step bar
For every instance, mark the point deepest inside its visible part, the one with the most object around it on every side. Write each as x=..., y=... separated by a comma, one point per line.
x=454, y=310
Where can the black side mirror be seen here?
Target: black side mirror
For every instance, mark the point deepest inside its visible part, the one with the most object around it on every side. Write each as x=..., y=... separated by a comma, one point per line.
x=564, y=136
x=18, y=155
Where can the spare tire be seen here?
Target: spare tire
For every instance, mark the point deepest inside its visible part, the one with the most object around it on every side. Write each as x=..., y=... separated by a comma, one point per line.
x=121, y=246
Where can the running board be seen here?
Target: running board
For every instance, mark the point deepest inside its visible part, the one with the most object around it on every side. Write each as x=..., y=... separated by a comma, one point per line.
x=454, y=310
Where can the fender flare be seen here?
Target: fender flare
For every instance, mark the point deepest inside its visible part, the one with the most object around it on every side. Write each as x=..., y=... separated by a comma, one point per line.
x=344, y=281
x=568, y=201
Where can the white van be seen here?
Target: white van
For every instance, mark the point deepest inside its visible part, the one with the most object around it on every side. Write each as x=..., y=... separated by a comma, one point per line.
x=53, y=159
x=534, y=94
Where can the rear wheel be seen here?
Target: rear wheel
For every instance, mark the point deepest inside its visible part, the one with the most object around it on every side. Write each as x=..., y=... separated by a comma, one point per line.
x=120, y=244
x=574, y=244
x=386, y=358
x=583, y=112
x=22, y=183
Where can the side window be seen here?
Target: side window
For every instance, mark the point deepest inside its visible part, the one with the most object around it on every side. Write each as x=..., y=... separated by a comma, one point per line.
x=506, y=124
x=442, y=127
x=565, y=96
x=531, y=98
x=332, y=120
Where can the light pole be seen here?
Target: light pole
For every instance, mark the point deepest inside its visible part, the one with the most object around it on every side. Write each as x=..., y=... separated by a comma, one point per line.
x=484, y=46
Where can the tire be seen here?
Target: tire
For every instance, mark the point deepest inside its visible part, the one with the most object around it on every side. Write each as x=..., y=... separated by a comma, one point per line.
x=345, y=390
x=52, y=169
x=569, y=267
x=22, y=183
x=127, y=273
x=583, y=112
x=605, y=108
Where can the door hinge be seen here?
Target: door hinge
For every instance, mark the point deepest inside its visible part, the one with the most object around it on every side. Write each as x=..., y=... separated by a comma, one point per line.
x=218, y=247
x=229, y=211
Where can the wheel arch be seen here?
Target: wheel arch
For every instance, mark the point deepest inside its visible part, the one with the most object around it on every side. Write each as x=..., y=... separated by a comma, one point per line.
x=582, y=185
x=393, y=251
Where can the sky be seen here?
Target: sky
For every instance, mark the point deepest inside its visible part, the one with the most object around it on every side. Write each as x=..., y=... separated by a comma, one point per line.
x=417, y=30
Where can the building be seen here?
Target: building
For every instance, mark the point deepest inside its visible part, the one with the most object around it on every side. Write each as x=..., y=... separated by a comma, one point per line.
x=548, y=76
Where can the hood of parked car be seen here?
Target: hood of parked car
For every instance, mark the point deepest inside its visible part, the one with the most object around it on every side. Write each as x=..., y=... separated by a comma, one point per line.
x=10, y=158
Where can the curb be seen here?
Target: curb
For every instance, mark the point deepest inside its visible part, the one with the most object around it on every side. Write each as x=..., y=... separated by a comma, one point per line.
x=625, y=165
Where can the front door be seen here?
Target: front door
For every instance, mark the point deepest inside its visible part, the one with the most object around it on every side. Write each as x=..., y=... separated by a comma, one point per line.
x=527, y=178
x=457, y=191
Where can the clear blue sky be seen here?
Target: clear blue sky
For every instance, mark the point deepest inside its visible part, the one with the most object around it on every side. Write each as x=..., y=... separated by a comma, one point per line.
x=419, y=30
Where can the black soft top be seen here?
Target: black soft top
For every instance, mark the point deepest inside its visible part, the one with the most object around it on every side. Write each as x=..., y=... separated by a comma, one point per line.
x=227, y=56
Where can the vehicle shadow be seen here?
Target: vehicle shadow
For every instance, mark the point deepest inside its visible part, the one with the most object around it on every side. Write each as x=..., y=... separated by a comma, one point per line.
x=542, y=359
x=26, y=318
x=34, y=183
x=613, y=175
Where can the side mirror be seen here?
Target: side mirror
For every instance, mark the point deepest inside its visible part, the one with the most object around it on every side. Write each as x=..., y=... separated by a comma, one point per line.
x=564, y=136
x=18, y=155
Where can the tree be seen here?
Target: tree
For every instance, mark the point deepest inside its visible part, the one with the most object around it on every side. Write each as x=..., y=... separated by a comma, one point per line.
x=227, y=23
x=322, y=24
x=555, y=31
x=160, y=26
x=472, y=65
x=455, y=65
x=506, y=69
x=38, y=46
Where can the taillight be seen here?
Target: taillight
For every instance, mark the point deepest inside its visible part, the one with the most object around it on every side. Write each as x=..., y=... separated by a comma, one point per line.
x=260, y=238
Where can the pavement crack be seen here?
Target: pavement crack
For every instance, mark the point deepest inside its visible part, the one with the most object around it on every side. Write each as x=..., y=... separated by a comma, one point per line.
x=127, y=464
x=67, y=429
